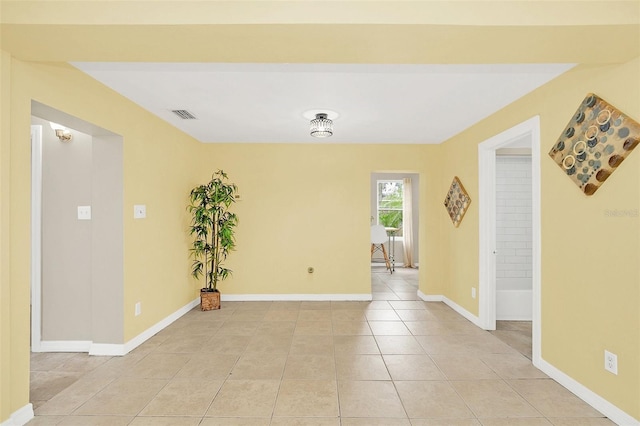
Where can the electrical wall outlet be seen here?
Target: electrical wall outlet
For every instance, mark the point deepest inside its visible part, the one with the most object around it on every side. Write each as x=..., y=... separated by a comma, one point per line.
x=611, y=362
x=138, y=308
x=473, y=292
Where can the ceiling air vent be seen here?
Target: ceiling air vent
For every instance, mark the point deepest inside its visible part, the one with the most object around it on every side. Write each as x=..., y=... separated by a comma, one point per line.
x=183, y=114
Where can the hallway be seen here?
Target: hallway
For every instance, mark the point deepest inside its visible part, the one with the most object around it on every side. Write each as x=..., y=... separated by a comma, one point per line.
x=387, y=362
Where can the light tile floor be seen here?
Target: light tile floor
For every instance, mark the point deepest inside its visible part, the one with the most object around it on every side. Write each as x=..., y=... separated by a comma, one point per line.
x=516, y=334
x=393, y=361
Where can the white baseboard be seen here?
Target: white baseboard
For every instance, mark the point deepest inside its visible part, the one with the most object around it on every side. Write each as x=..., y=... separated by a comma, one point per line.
x=430, y=297
x=109, y=349
x=118, y=350
x=159, y=326
x=453, y=305
x=20, y=417
x=106, y=349
x=294, y=297
x=462, y=311
x=614, y=413
x=65, y=346
x=23, y=415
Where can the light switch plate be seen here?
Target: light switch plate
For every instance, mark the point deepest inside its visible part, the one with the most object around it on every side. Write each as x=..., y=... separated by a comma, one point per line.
x=139, y=211
x=84, y=212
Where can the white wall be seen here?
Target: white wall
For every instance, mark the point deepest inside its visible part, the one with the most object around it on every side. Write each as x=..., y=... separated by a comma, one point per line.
x=514, y=238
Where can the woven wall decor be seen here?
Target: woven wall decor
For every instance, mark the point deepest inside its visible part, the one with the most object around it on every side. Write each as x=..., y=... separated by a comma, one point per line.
x=457, y=201
x=595, y=142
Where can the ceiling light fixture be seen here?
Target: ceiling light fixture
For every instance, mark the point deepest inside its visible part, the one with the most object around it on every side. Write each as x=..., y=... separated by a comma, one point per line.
x=321, y=126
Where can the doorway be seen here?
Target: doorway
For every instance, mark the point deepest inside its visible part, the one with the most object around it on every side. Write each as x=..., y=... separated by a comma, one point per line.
x=77, y=271
x=514, y=299
x=523, y=136
x=395, y=201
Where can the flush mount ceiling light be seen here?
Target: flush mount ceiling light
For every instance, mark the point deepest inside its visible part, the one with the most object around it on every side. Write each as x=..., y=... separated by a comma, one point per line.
x=321, y=126
x=321, y=122
x=61, y=132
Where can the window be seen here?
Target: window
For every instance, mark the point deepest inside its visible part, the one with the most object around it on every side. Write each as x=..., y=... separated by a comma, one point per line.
x=390, y=201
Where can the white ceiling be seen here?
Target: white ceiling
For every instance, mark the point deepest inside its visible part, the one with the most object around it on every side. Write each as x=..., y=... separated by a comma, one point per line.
x=266, y=103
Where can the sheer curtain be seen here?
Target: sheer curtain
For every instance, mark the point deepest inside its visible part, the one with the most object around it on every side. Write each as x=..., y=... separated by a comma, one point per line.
x=407, y=224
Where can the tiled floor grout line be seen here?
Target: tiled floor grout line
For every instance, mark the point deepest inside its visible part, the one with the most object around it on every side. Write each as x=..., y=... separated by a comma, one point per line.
x=344, y=318
x=395, y=387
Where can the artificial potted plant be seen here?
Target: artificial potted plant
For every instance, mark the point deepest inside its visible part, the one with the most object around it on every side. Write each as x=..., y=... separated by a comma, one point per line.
x=212, y=228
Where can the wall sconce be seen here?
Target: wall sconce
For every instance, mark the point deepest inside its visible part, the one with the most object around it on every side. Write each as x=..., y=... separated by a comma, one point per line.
x=64, y=135
x=61, y=132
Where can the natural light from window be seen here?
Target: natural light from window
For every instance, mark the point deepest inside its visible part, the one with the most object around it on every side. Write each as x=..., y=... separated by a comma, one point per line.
x=390, y=204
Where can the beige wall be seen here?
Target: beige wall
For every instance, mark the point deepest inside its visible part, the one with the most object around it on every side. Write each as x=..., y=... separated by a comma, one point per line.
x=586, y=308
x=161, y=165
x=309, y=205
x=590, y=275
x=7, y=382
x=158, y=163
x=581, y=315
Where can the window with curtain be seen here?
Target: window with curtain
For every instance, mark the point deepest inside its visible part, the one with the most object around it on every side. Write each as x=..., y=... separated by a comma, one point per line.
x=390, y=204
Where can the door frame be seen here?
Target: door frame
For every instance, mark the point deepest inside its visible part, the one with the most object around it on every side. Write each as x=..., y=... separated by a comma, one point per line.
x=529, y=129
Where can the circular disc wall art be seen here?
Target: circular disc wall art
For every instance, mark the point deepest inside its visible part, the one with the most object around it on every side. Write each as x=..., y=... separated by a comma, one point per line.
x=457, y=201
x=594, y=143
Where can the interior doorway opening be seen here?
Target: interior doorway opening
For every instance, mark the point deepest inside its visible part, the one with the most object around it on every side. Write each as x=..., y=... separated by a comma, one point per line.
x=77, y=284
x=395, y=200
x=525, y=136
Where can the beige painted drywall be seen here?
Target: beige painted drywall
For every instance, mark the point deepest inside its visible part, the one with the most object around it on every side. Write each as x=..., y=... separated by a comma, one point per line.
x=268, y=174
x=590, y=294
x=159, y=159
x=158, y=170
x=7, y=366
x=309, y=205
x=303, y=31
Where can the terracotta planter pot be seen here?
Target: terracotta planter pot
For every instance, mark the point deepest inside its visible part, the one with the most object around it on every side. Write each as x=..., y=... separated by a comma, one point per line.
x=209, y=300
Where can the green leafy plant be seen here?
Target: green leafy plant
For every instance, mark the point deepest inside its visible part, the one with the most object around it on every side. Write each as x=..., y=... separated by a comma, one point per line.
x=390, y=204
x=212, y=226
x=391, y=218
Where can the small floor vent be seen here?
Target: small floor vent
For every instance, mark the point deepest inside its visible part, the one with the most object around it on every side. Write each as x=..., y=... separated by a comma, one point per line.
x=183, y=114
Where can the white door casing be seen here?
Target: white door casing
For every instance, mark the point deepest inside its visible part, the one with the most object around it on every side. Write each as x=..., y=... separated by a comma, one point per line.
x=529, y=131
